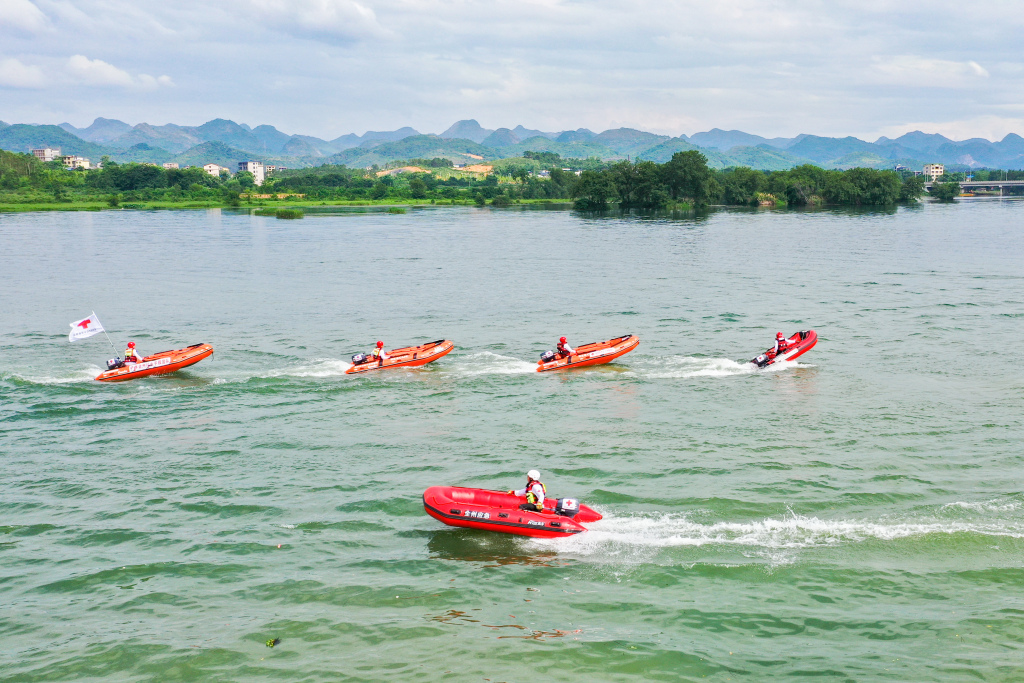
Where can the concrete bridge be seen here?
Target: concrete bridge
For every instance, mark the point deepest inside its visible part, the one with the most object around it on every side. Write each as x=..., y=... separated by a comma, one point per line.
x=967, y=186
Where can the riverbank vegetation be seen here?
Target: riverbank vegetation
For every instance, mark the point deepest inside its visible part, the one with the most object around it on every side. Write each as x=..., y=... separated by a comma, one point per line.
x=279, y=213
x=946, y=190
x=685, y=181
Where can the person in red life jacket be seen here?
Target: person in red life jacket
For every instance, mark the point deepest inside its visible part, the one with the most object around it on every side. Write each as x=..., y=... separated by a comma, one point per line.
x=564, y=350
x=129, y=354
x=378, y=354
x=781, y=344
x=535, y=492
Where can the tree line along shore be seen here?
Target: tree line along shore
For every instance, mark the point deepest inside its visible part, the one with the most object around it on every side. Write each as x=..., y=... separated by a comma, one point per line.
x=685, y=181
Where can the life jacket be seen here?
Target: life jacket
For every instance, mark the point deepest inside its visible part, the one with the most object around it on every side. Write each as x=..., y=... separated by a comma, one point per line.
x=129, y=354
x=531, y=497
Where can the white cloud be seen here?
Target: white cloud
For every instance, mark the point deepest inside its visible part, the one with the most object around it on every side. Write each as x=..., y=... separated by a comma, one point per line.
x=331, y=19
x=97, y=72
x=21, y=15
x=14, y=74
x=147, y=82
x=914, y=70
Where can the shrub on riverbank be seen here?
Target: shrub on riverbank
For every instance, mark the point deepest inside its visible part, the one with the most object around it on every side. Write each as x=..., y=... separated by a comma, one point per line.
x=280, y=213
x=945, y=192
x=646, y=185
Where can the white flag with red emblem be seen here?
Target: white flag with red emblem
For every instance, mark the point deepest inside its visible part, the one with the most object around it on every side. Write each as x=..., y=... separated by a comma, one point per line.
x=85, y=328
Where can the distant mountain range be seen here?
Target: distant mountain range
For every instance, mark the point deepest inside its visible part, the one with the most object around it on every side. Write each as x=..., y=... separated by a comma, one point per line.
x=225, y=142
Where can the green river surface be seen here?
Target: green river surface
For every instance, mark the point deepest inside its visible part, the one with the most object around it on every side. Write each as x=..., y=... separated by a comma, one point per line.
x=855, y=515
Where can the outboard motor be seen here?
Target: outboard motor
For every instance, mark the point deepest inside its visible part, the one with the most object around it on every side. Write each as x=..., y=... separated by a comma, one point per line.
x=547, y=356
x=761, y=360
x=114, y=363
x=359, y=359
x=567, y=507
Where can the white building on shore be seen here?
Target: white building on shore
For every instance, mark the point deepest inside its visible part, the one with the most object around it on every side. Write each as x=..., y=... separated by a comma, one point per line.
x=254, y=167
x=71, y=161
x=934, y=171
x=46, y=154
x=214, y=169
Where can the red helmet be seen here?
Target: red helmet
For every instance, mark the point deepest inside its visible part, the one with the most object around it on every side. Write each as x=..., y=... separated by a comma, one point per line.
x=561, y=340
x=131, y=345
x=778, y=335
x=380, y=344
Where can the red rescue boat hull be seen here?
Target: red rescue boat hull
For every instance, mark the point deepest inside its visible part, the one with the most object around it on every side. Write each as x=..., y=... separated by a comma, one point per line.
x=407, y=357
x=158, y=364
x=499, y=511
x=797, y=345
x=597, y=353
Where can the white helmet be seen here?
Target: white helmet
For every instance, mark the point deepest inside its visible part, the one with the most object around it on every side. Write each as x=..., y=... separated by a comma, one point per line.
x=533, y=474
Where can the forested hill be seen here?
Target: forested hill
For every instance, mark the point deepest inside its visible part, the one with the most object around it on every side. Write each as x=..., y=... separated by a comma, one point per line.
x=225, y=142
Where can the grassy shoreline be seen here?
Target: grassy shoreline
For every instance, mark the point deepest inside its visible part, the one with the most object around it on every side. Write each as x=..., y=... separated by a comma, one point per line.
x=383, y=205
x=102, y=205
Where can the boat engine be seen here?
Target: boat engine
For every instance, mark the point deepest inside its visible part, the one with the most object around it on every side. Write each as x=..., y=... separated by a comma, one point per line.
x=359, y=359
x=114, y=363
x=761, y=360
x=567, y=507
x=547, y=356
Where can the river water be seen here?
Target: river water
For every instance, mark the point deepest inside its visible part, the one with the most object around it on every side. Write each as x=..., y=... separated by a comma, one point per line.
x=855, y=515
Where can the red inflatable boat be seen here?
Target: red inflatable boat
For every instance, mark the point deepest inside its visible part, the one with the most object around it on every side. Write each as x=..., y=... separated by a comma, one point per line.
x=407, y=357
x=157, y=364
x=499, y=511
x=796, y=346
x=596, y=353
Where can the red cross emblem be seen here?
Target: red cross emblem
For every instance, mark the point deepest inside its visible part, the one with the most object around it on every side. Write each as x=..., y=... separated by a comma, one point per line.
x=84, y=324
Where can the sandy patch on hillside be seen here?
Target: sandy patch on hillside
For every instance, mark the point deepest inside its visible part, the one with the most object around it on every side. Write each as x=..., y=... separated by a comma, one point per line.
x=404, y=169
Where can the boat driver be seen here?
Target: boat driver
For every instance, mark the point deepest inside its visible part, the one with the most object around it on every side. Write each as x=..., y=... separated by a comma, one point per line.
x=564, y=351
x=781, y=344
x=129, y=354
x=379, y=354
x=535, y=491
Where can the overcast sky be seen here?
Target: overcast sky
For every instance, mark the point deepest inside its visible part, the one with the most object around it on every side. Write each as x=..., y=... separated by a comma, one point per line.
x=329, y=67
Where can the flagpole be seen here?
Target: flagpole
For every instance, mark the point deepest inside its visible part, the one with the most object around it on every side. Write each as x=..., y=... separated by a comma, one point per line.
x=105, y=334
